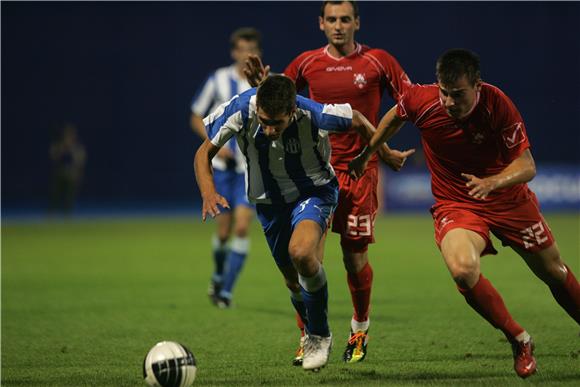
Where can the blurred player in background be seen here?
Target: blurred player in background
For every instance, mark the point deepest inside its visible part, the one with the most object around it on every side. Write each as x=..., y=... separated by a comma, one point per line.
x=347, y=71
x=68, y=157
x=478, y=152
x=284, y=138
x=229, y=167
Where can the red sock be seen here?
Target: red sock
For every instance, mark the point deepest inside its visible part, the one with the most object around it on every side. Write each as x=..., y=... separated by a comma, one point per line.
x=300, y=324
x=360, y=290
x=568, y=295
x=488, y=303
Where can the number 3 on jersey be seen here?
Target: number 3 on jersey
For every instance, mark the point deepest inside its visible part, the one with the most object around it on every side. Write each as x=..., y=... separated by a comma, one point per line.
x=359, y=225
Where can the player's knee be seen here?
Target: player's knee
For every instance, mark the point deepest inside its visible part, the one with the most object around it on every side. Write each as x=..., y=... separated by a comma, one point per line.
x=241, y=231
x=301, y=254
x=463, y=270
x=223, y=236
x=555, y=272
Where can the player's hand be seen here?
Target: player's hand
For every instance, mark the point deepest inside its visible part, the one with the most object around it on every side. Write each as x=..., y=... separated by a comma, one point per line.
x=357, y=166
x=480, y=188
x=211, y=205
x=395, y=159
x=255, y=70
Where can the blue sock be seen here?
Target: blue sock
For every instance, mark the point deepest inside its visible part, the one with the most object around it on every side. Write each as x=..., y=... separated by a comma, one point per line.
x=220, y=253
x=300, y=307
x=235, y=262
x=315, y=296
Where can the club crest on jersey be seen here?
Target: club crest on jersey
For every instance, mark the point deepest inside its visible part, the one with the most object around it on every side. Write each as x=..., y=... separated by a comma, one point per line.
x=360, y=80
x=292, y=146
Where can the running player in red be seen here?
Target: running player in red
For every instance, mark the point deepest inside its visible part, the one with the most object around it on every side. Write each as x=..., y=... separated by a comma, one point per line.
x=345, y=71
x=478, y=152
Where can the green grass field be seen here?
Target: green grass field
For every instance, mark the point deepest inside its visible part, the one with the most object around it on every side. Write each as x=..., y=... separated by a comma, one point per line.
x=83, y=301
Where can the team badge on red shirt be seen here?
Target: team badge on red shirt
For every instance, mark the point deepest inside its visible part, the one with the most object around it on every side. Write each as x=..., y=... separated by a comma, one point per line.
x=513, y=135
x=360, y=80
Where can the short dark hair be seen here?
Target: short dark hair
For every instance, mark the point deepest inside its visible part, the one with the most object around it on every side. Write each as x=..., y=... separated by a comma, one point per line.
x=455, y=63
x=353, y=3
x=276, y=95
x=245, y=33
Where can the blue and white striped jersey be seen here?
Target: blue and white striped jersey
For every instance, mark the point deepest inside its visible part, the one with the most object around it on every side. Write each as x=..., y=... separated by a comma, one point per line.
x=220, y=87
x=283, y=170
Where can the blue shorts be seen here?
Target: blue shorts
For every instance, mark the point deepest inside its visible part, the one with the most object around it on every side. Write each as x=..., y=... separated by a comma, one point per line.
x=279, y=220
x=232, y=186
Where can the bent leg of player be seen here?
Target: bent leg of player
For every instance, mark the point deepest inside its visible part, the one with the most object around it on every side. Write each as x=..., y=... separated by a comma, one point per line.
x=224, y=221
x=310, y=218
x=548, y=266
x=354, y=220
x=526, y=231
x=359, y=279
x=220, y=253
x=312, y=279
x=236, y=258
x=463, y=237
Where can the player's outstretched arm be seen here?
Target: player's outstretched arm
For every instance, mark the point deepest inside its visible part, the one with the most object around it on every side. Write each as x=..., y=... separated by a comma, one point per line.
x=389, y=125
x=204, y=177
x=255, y=70
x=521, y=170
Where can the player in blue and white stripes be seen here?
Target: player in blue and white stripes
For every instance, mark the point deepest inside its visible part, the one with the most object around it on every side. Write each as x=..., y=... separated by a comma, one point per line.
x=284, y=139
x=229, y=167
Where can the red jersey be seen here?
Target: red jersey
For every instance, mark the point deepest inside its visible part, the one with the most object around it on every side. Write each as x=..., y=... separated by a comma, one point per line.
x=482, y=144
x=358, y=79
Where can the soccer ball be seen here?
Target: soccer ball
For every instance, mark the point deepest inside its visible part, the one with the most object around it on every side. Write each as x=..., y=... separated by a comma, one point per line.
x=169, y=364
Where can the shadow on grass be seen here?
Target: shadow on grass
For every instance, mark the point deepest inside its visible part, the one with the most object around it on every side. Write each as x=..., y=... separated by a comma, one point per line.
x=290, y=311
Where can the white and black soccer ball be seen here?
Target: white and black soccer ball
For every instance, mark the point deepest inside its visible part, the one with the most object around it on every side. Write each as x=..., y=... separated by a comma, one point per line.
x=169, y=364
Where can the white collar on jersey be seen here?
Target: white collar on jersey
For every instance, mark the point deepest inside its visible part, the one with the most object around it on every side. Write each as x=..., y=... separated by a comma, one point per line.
x=356, y=51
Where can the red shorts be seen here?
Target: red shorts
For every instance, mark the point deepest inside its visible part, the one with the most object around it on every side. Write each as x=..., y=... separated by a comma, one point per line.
x=518, y=224
x=354, y=218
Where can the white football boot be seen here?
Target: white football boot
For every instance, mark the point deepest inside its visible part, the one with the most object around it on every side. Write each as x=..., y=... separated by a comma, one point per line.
x=316, y=351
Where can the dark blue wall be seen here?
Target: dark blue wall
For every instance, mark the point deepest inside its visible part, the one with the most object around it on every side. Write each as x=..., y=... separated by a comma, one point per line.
x=125, y=74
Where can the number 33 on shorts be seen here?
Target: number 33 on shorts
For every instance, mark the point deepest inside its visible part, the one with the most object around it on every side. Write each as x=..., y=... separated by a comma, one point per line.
x=359, y=225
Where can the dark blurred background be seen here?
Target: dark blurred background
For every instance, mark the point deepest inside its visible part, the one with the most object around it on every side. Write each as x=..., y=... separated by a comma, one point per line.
x=124, y=75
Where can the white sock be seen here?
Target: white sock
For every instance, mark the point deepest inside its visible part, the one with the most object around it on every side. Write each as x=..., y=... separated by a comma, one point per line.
x=217, y=244
x=314, y=283
x=357, y=326
x=523, y=337
x=240, y=245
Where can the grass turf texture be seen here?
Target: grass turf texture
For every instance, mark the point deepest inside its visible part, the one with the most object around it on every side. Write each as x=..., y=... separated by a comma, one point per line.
x=83, y=301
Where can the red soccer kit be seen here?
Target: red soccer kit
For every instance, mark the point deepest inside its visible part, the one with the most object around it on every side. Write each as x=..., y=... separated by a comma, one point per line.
x=482, y=144
x=360, y=80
